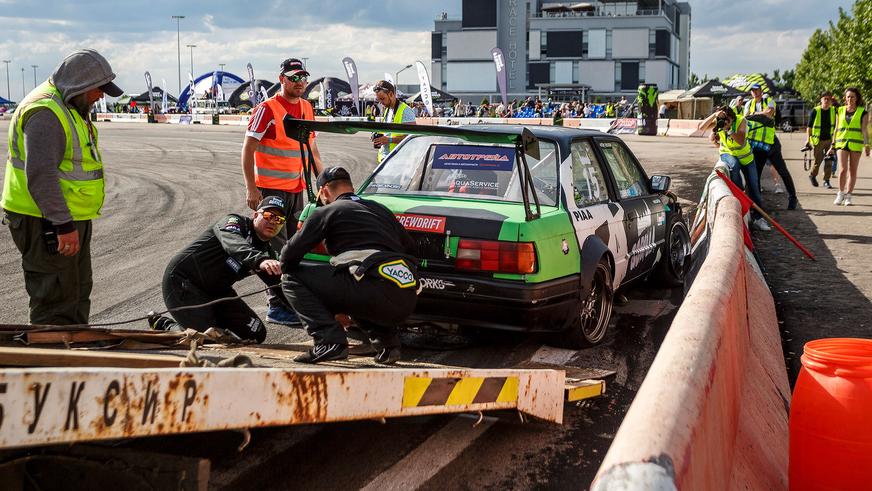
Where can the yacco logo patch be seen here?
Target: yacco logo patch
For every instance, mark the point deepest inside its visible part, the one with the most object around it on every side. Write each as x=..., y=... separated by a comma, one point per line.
x=397, y=272
x=422, y=223
x=473, y=157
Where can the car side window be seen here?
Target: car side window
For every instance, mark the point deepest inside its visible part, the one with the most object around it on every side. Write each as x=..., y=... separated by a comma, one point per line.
x=628, y=177
x=587, y=177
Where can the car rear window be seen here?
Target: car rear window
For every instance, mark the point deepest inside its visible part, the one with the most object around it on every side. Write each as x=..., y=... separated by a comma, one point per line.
x=451, y=167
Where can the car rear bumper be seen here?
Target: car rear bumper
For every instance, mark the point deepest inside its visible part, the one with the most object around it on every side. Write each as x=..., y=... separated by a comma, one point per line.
x=498, y=304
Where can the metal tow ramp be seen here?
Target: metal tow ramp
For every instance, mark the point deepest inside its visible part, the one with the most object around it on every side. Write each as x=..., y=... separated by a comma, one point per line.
x=40, y=406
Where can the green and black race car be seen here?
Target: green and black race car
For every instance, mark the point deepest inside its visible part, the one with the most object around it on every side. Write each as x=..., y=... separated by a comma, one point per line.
x=524, y=228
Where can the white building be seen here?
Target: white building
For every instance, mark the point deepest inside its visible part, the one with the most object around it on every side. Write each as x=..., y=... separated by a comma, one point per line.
x=593, y=49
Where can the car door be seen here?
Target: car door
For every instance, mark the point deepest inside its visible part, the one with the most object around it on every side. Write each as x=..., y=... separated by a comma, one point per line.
x=590, y=205
x=644, y=212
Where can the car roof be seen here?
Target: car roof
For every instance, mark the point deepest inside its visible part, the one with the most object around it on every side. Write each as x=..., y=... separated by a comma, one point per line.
x=546, y=132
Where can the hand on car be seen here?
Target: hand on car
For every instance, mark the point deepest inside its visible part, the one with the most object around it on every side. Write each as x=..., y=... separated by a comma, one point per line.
x=382, y=140
x=271, y=266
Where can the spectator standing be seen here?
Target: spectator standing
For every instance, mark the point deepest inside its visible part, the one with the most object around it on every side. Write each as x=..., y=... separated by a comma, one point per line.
x=821, y=121
x=851, y=139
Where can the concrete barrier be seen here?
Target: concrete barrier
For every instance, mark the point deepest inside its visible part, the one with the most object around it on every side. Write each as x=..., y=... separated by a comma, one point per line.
x=712, y=411
x=685, y=127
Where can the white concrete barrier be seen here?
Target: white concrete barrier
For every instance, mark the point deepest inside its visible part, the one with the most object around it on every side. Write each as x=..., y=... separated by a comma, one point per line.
x=712, y=411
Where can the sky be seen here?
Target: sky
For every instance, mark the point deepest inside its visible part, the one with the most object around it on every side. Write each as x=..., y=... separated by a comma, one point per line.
x=727, y=36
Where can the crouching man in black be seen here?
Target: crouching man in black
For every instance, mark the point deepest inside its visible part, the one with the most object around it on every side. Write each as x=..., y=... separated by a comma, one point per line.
x=371, y=277
x=231, y=250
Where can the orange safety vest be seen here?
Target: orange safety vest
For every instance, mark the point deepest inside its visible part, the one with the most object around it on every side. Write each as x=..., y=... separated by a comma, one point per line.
x=278, y=164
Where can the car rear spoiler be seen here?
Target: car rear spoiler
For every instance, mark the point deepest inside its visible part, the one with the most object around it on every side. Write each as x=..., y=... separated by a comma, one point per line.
x=525, y=143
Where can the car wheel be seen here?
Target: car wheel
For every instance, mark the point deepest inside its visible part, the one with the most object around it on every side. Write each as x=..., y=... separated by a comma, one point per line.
x=595, y=312
x=676, y=261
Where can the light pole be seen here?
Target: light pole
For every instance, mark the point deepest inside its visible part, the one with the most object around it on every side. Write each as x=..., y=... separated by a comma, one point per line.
x=192, y=46
x=8, y=90
x=179, y=46
x=397, y=77
x=305, y=62
x=34, y=74
x=22, y=84
x=222, y=65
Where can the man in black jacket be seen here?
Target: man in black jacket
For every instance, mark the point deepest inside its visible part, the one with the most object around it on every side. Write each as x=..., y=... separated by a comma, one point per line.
x=371, y=277
x=234, y=248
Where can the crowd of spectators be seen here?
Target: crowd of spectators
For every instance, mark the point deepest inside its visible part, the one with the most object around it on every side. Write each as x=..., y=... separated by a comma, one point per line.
x=531, y=107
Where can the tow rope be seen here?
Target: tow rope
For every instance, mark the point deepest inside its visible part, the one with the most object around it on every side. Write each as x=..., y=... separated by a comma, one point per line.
x=9, y=327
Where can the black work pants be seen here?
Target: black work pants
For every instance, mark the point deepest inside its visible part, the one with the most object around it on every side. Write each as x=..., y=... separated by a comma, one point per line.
x=293, y=207
x=318, y=292
x=774, y=156
x=59, y=286
x=233, y=315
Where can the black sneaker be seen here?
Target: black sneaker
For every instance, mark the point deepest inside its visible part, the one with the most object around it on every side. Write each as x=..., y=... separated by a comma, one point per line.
x=827, y=184
x=159, y=322
x=388, y=355
x=323, y=352
x=813, y=180
x=792, y=202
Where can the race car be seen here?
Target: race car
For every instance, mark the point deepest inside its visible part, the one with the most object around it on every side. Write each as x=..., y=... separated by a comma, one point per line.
x=523, y=228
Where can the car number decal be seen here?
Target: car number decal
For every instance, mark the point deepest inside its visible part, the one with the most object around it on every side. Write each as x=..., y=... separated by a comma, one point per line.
x=398, y=273
x=436, y=284
x=422, y=223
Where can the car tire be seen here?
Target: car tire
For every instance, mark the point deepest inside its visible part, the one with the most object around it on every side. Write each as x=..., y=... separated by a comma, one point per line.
x=595, y=311
x=675, y=262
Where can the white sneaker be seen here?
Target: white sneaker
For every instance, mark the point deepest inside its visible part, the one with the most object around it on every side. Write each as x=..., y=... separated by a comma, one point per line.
x=760, y=224
x=778, y=189
x=840, y=198
x=847, y=201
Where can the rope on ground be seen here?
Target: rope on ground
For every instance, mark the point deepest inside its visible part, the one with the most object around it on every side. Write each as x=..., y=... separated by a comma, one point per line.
x=192, y=360
x=137, y=319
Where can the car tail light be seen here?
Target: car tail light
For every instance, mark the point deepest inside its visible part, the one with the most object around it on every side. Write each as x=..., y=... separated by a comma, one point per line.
x=496, y=256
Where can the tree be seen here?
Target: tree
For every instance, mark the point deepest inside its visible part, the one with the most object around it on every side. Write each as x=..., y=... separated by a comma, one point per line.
x=840, y=56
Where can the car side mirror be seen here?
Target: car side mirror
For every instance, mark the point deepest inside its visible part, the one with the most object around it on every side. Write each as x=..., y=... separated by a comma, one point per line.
x=660, y=184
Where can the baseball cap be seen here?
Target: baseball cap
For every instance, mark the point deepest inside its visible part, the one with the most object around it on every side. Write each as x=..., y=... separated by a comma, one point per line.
x=293, y=66
x=331, y=174
x=272, y=202
x=754, y=86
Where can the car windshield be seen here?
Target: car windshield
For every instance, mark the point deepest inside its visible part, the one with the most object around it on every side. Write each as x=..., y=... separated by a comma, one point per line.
x=451, y=167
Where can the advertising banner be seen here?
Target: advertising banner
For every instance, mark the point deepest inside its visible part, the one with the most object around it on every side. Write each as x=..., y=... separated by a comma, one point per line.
x=164, y=106
x=426, y=95
x=500, y=65
x=150, y=95
x=252, y=86
x=351, y=72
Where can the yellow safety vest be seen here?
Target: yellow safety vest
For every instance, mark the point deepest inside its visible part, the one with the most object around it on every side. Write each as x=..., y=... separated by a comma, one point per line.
x=729, y=146
x=398, y=118
x=816, y=128
x=80, y=171
x=757, y=131
x=849, y=136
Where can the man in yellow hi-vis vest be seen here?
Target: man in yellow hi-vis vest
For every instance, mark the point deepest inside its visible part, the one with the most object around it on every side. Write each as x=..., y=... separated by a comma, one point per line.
x=53, y=186
x=395, y=111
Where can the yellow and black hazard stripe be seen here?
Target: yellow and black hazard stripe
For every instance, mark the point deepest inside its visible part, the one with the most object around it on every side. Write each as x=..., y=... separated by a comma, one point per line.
x=459, y=391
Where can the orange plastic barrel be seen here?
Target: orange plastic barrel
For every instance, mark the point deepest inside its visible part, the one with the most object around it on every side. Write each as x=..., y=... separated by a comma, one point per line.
x=831, y=417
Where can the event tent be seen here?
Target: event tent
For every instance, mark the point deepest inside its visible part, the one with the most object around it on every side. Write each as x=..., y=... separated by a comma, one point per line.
x=744, y=82
x=439, y=96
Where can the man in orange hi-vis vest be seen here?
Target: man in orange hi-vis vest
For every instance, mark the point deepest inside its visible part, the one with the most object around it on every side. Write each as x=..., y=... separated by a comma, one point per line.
x=272, y=162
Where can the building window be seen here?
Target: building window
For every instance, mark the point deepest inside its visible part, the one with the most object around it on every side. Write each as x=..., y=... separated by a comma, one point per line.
x=575, y=72
x=617, y=76
x=543, y=43
x=629, y=75
x=652, y=42
x=608, y=44
x=641, y=71
x=585, y=40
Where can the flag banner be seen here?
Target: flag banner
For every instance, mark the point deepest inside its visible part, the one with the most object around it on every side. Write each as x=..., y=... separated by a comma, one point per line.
x=390, y=78
x=103, y=107
x=252, y=86
x=426, y=95
x=321, y=103
x=500, y=65
x=263, y=95
x=164, y=105
x=351, y=72
x=150, y=95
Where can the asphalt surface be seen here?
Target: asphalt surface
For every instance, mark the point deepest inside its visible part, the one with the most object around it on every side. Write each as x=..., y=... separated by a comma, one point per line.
x=167, y=183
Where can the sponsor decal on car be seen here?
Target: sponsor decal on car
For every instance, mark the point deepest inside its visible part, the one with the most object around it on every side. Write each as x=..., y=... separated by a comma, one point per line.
x=473, y=157
x=422, y=223
x=435, y=284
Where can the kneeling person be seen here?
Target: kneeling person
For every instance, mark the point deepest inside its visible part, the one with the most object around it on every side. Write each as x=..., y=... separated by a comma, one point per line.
x=231, y=250
x=372, y=276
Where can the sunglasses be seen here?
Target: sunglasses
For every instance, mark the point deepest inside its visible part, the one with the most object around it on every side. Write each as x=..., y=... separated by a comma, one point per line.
x=273, y=217
x=297, y=78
